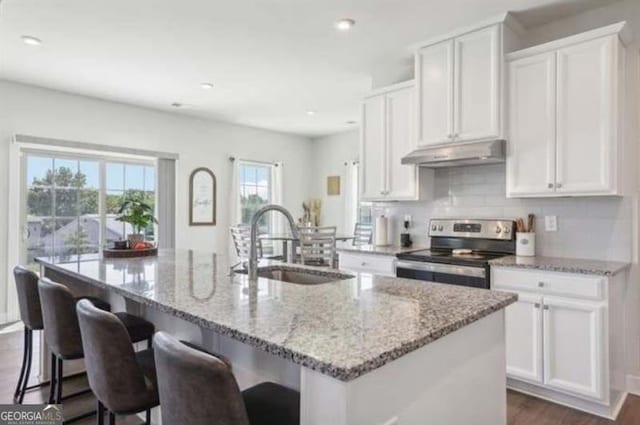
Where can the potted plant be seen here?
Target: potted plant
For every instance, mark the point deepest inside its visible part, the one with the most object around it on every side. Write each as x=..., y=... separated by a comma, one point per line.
x=139, y=214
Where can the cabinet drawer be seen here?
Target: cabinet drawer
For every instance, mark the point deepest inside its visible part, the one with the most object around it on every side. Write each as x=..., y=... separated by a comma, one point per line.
x=571, y=285
x=369, y=263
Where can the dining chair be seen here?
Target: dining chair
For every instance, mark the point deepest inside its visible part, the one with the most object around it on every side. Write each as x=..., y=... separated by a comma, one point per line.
x=362, y=234
x=63, y=335
x=31, y=315
x=197, y=388
x=241, y=236
x=318, y=246
x=123, y=380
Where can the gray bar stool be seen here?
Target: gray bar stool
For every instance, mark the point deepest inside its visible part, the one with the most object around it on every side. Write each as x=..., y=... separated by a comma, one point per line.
x=124, y=381
x=62, y=334
x=31, y=315
x=198, y=389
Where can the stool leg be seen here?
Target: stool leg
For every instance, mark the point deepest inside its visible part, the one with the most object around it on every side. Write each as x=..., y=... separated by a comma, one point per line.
x=148, y=417
x=59, y=380
x=25, y=380
x=18, y=391
x=112, y=418
x=150, y=342
x=100, y=413
x=53, y=378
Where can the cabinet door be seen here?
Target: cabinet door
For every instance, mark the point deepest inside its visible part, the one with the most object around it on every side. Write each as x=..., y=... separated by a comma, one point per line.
x=401, y=179
x=532, y=121
x=434, y=74
x=524, y=338
x=586, y=116
x=372, y=148
x=574, y=346
x=477, y=85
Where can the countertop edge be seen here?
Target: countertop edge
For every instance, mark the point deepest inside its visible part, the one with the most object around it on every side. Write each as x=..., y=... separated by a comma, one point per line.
x=340, y=373
x=595, y=270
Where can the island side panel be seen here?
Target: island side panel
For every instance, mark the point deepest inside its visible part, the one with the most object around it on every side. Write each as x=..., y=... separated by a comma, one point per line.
x=459, y=379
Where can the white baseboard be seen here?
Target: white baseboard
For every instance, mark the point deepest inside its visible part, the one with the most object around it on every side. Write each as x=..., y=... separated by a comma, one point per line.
x=633, y=384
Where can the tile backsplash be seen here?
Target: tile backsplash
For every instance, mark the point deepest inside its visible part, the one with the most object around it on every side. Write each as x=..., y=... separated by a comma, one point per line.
x=593, y=227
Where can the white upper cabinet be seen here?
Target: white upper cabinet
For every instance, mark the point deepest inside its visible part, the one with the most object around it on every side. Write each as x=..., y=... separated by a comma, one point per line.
x=372, y=149
x=434, y=69
x=565, y=116
x=586, y=131
x=476, y=87
x=387, y=135
x=532, y=103
x=400, y=141
x=459, y=87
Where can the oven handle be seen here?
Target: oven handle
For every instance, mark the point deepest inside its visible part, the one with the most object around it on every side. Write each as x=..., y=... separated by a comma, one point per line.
x=442, y=268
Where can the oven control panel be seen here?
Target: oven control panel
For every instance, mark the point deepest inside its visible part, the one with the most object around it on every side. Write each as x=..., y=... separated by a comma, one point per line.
x=469, y=228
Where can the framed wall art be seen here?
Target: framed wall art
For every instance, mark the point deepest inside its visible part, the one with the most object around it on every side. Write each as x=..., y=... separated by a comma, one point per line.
x=202, y=197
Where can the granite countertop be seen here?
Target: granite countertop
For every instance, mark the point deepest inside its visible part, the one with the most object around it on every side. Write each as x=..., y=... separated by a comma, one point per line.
x=565, y=265
x=343, y=329
x=390, y=250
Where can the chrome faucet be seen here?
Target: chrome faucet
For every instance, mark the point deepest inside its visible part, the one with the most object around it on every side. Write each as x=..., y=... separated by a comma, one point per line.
x=253, y=249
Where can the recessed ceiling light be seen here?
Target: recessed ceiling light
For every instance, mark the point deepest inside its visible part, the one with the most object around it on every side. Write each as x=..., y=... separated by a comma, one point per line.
x=206, y=86
x=311, y=113
x=31, y=41
x=344, y=24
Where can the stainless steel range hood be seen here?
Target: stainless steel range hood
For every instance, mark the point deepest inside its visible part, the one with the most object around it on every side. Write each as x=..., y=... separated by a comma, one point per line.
x=458, y=154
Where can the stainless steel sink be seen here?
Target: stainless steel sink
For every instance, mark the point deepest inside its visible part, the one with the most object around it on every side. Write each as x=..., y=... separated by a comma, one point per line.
x=299, y=275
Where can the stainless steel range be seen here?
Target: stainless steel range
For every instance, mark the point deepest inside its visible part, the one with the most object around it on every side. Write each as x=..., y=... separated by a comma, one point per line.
x=460, y=252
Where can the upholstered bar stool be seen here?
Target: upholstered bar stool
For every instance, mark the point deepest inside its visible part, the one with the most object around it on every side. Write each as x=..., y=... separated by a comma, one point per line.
x=31, y=315
x=124, y=381
x=196, y=388
x=62, y=333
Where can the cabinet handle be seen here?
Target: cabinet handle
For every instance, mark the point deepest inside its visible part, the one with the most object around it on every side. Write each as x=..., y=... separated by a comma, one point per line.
x=455, y=136
x=558, y=185
x=550, y=185
x=537, y=305
x=449, y=136
x=363, y=264
x=540, y=284
x=546, y=307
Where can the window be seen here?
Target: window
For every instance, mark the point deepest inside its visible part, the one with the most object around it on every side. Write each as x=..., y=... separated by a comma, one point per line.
x=72, y=202
x=124, y=181
x=255, y=192
x=364, y=213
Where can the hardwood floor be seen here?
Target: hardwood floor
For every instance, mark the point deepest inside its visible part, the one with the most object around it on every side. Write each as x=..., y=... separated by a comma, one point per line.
x=522, y=409
x=526, y=410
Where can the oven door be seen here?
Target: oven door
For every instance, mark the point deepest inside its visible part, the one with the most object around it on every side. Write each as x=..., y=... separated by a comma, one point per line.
x=475, y=277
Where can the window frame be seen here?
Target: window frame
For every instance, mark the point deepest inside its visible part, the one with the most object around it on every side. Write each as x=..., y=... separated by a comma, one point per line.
x=102, y=160
x=267, y=165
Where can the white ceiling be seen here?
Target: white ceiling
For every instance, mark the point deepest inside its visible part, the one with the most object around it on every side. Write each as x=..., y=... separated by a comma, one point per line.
x=270, y=60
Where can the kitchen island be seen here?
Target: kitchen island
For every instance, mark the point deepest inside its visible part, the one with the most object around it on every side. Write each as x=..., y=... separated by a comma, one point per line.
x=363, y=350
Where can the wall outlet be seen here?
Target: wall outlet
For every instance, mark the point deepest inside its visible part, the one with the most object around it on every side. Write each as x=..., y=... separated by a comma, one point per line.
x=551, y=223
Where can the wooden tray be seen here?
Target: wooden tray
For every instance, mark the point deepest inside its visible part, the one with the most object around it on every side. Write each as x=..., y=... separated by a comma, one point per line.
x=129, y=253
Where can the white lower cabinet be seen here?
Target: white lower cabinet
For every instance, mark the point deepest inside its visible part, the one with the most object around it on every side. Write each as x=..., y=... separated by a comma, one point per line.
x=574, y=341
x=383, y=265
x=524, y=338
x=563, y=336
